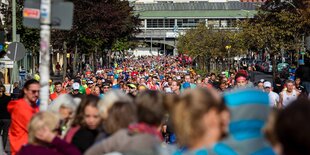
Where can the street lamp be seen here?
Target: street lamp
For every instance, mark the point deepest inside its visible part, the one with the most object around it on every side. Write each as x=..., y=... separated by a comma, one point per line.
x=228, y=47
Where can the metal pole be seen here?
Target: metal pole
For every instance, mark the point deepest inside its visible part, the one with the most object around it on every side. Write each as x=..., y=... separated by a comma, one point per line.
x=14, y=20
x=165, y=36
x=14, y=40
x=45, y=35
x=152, y=41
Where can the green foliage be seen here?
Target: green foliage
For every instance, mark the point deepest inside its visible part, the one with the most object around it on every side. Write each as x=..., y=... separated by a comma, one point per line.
x=99, y=23
x=279, y=25
x=204, y=43
x=29, y=37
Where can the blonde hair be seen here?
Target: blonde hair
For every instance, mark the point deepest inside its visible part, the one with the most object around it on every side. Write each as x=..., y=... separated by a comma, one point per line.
x=109, y=99
x=40, y=120
x=188, y=112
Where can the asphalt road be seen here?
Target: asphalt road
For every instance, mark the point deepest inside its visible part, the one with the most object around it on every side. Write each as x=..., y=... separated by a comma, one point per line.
x=261, y=75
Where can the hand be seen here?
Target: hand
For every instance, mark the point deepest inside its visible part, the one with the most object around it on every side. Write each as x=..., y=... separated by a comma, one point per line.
x=45, y=134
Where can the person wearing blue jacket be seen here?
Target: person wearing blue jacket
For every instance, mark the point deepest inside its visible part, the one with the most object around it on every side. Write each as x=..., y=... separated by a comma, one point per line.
x=249, y=112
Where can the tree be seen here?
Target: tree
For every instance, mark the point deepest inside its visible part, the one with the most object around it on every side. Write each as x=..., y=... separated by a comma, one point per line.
x=29, y=37
x=204, y=44
x=278, y=26
x=98, y=24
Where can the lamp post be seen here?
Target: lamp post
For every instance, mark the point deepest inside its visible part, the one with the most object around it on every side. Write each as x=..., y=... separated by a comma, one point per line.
x=228, y=47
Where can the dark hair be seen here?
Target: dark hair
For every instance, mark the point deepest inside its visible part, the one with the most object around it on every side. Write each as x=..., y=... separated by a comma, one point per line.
x=292, y=128
x=89, y=100
x=57, y=83
x=30, y=82
x=120, y=115
x=150, y=106
x=26, y=86
x=240, y=75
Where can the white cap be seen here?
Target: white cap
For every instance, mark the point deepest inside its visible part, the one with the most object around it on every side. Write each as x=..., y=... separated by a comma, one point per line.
x=267, y=84
x=76, y=86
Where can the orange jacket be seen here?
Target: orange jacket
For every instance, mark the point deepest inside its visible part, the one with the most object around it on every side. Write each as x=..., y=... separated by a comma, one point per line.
x=21, y=113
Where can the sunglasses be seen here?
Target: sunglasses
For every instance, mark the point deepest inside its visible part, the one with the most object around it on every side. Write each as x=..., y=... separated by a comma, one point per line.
x=34, y=91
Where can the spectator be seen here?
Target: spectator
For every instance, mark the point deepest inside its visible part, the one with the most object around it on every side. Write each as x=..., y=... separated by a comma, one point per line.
x=16, y=91
x=141, y=137
x=43, y=138
x=21, y=111
x=66, y=106
x=86, y=124
x=5, y=117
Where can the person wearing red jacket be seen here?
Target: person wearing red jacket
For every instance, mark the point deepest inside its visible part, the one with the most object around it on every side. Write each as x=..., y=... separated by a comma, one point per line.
x=21, y=111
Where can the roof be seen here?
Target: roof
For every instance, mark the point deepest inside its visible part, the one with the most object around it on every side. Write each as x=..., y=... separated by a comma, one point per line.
x=198, y=14
x=196, y=6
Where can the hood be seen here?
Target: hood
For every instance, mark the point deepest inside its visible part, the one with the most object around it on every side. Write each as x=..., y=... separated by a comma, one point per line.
x=249, y=110
x=12, y=105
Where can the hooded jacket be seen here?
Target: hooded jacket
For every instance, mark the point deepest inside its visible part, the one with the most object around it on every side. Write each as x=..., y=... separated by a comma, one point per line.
x=21, y=113
x=249, y=111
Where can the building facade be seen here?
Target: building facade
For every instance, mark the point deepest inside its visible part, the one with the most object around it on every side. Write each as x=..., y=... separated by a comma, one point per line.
x=162, y=23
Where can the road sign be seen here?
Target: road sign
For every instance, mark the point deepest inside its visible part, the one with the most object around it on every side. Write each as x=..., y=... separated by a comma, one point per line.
x=31, y=13
x=62, y=14
x=16, y=51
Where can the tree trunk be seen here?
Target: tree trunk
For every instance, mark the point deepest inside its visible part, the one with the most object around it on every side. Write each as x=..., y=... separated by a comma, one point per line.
x=209, y=65
x=34, y=56
x=74, y=61
x=109, y=58
x=274, y=66
x=64, y=69
x=95, y=59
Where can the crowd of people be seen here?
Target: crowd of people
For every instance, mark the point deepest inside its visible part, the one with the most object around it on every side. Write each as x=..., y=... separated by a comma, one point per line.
x=159, y=106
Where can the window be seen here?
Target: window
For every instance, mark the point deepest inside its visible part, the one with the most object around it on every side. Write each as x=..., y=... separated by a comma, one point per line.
x=187, y=23
x=160, y=23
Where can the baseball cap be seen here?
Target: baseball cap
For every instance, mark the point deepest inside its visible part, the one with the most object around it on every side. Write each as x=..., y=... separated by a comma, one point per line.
x=76, y=86
x=267, y=84
x=90, y=82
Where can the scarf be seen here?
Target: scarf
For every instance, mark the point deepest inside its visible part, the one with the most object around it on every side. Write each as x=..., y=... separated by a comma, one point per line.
x=144, y=128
